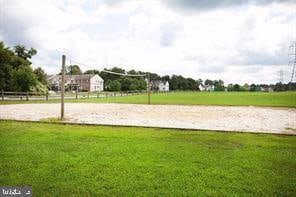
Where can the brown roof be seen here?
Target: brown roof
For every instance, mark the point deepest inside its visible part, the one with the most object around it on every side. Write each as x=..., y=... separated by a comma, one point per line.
x=76, y=77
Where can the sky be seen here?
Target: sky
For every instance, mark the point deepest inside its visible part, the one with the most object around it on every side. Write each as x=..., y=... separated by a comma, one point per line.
x=238, y=41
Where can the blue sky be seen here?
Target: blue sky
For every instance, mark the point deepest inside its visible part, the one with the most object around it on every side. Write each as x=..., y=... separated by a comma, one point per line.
x=236, y=41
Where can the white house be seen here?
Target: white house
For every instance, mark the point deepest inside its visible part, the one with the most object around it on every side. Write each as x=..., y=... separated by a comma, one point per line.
x=77, y=82
x=206, y=88
x=159, y=85
x=96, y=83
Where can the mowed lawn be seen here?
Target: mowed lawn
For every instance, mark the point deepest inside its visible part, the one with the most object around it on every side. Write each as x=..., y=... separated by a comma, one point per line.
x=273, y=99
x=64, y=160
x=278, y=99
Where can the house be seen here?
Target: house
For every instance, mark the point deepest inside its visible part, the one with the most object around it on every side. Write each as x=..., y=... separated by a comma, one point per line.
x=159, y=85
x=76, y=82
x=206, y=88
x=266, y=89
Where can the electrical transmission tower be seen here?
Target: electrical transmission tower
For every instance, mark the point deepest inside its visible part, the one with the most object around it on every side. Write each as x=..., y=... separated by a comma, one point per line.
x=281, y=74
x=292, y=59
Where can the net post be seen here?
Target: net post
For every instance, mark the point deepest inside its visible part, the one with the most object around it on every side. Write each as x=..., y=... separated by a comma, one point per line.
x=2, y=94
x=148, y=85
x=63, y=87
x=76, y=93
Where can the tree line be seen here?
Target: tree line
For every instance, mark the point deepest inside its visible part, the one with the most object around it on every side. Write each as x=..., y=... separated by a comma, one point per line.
x=17, y=74
x=124, y=83
x=176, y=82
x=278, y=87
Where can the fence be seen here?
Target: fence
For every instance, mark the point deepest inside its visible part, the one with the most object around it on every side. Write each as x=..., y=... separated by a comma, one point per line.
x=68, y=95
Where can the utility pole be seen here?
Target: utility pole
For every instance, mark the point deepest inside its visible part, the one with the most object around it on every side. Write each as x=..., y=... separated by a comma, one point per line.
x=149, y=88
x=71, y=67
x=63, y=87
x=292, y=59
x=281, y=73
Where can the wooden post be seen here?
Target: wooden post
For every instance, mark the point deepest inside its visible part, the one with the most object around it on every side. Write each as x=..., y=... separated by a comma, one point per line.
x=27, y=96
x=76, y=93
x=63, y=87
x=148, y=81
x=2, y=94
x=46, y=95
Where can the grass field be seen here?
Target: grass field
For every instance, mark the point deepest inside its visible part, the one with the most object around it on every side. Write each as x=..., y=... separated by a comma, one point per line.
x=64, y=160
x=274, y=99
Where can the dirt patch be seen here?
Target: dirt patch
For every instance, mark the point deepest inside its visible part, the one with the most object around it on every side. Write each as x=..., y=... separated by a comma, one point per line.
x=252, y=119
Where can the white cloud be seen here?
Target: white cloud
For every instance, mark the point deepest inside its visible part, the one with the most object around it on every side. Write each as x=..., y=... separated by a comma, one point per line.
x=237, y=44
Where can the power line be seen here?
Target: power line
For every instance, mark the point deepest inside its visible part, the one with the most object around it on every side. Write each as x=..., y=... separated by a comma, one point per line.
x=124, y=74
x=107, y=71
x=111, y=72
x=71, y=59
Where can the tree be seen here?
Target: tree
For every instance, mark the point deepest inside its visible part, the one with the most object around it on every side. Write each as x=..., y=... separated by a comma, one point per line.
x=92, y=72
x=15, y=68
x=182, y=83
x=5, y=76
x=173, y=82
x=138, y=84
x=279, y=87
x=23, y=79
x=142, y=85
x=73, y=70
x=133, y=86
x=165, y=78
x=5, y=67
x=109, y=76
x=218, y=85
x=252, y=88
x=40, y=75
x=178, y=82
x=114, y=86
x=132, y=72
x=291, y=86
x=236, y=88
x=154, y=76
x=125, y=83
x=246, y=87
x=209, y=82
x=191, y=84
x=24, y=53
x=230, y=87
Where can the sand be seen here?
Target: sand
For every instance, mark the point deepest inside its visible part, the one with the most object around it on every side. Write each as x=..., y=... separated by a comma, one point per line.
x=224, y=118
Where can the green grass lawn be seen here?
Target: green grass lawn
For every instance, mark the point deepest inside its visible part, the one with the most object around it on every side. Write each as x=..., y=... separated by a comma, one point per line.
x=274, y=99
x=64, y=160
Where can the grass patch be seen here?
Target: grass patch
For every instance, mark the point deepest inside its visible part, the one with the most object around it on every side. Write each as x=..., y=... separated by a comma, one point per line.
x=64, y=160
x=272, y=99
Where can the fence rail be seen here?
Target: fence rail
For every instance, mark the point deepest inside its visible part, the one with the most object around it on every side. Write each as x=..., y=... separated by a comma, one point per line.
x=8, y=95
